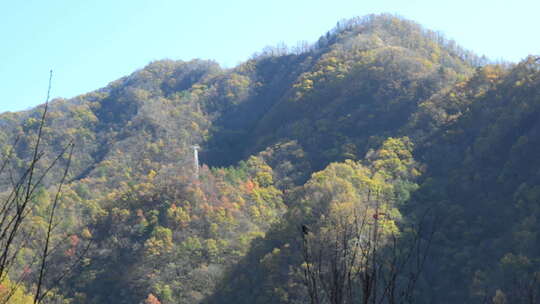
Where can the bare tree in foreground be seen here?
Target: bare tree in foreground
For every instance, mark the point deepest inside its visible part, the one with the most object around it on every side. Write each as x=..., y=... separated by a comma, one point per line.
x=360, y=259
x=16, y=208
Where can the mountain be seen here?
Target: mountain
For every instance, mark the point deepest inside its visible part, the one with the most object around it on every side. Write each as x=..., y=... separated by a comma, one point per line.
x=379, y=116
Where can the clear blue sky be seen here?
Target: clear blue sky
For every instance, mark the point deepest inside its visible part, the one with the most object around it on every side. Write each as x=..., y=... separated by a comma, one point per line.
x=91, y=43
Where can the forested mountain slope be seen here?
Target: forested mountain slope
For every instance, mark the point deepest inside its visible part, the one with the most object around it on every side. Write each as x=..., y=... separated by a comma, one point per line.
x=289, y=138
x=483, y=180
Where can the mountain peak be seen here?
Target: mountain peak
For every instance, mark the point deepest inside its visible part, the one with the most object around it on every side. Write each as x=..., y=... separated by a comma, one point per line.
x=378, y=30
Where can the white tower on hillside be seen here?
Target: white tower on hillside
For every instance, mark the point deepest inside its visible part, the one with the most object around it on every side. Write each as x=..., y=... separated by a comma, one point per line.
x=196, y=160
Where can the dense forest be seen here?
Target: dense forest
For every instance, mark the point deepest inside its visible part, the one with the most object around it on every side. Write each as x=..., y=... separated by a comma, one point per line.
x=383, y=163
